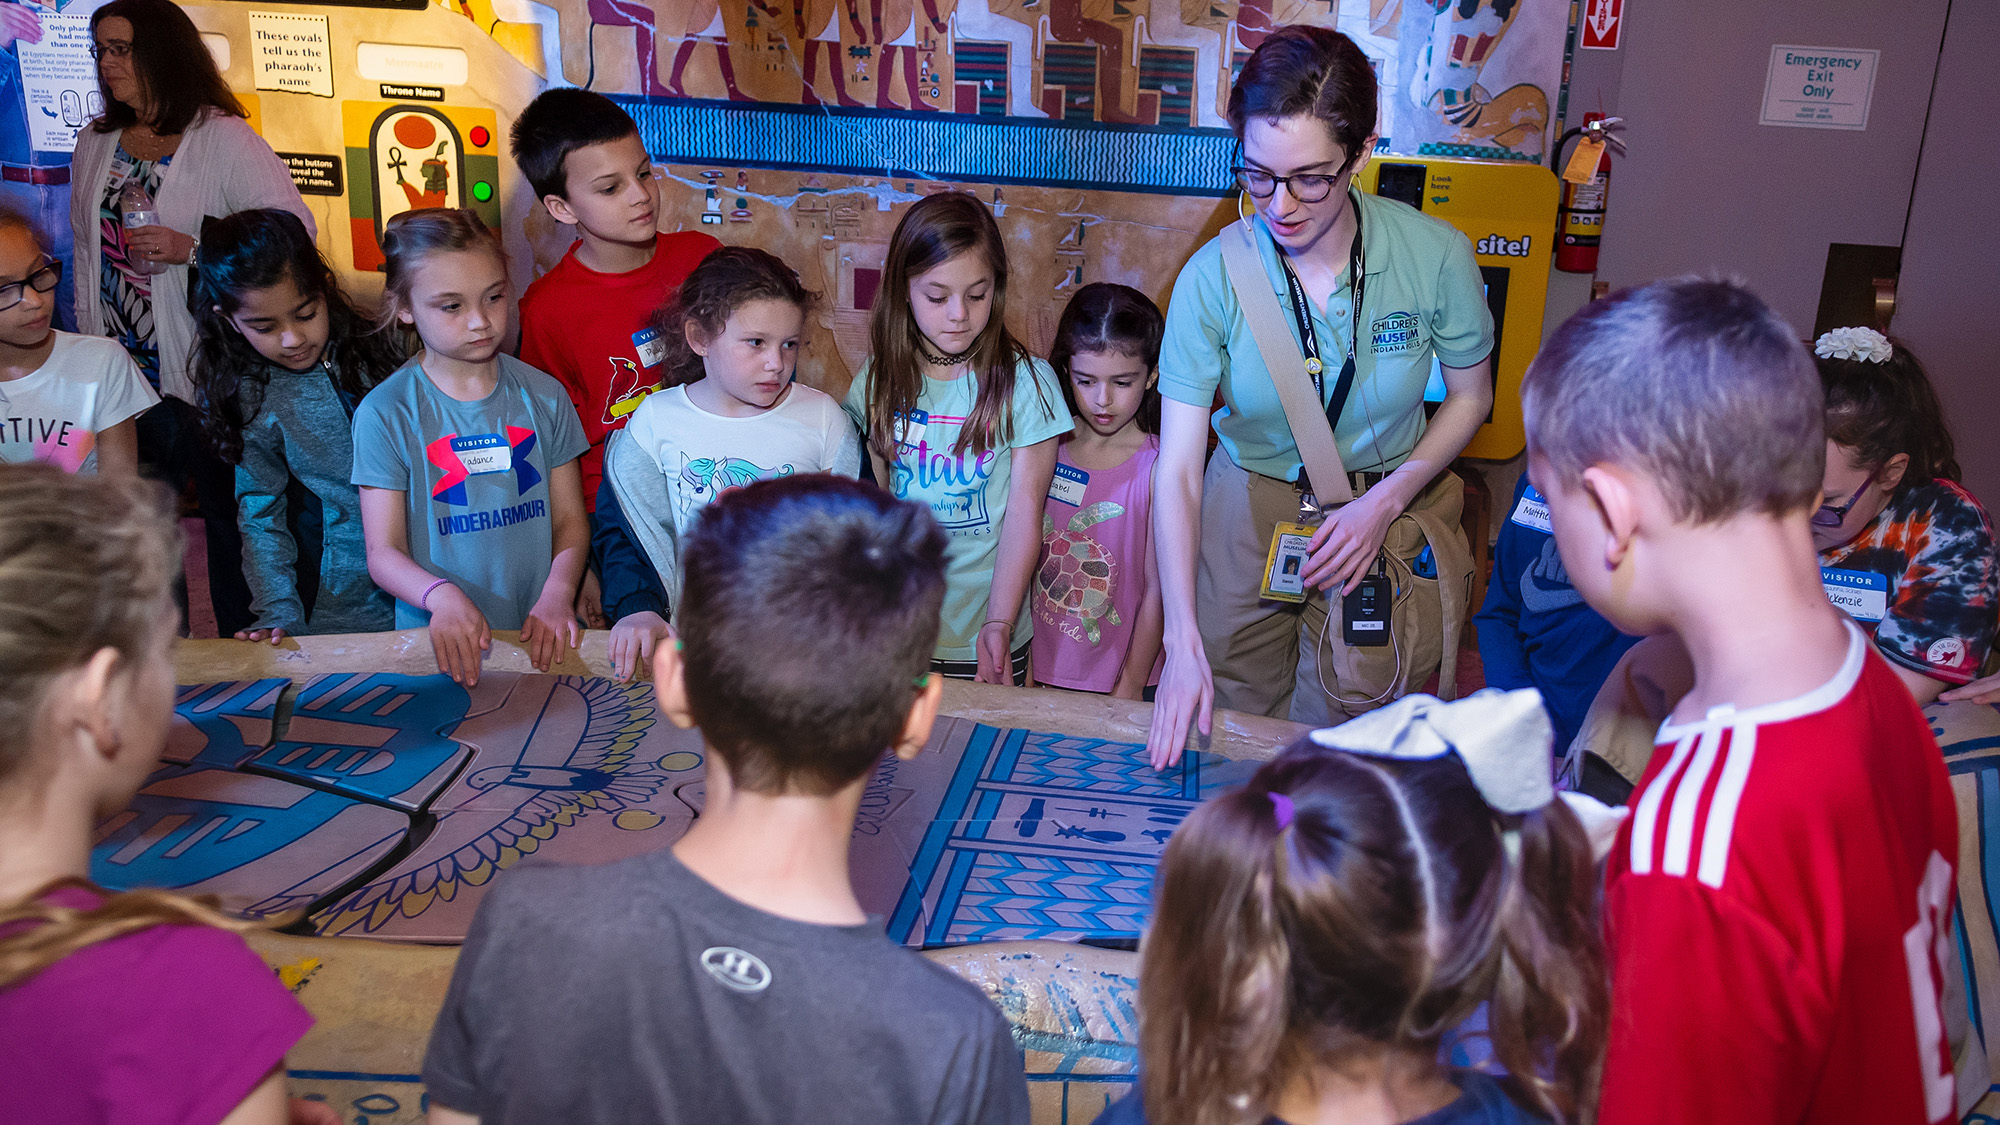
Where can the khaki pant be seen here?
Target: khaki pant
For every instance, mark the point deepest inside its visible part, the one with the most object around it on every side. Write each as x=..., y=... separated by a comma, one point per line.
x=1289, y=660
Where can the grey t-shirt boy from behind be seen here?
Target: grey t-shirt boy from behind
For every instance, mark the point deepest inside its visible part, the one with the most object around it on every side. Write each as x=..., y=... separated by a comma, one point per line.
x=637, y=992
x=476, y=479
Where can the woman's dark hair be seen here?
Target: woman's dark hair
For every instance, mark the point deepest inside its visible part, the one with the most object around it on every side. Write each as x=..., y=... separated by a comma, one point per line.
x=725, y=281
x=1878, y=410
x=170, y=64
x=935, y=230
x=1378, y=919
x=1313, y=72
x=252, y=250
x=1103, y=317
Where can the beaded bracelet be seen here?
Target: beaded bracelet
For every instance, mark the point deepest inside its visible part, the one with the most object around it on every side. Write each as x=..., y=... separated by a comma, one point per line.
x=425, y=602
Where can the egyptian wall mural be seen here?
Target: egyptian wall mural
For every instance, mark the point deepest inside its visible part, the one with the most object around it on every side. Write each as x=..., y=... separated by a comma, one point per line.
x=1094, y=127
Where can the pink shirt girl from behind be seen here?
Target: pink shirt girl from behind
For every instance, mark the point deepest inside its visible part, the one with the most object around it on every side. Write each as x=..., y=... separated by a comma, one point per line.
x=1096, y=596
x=143, y=1007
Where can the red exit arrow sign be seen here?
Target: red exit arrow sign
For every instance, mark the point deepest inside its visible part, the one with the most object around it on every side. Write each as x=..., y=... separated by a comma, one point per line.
x=1603, y=24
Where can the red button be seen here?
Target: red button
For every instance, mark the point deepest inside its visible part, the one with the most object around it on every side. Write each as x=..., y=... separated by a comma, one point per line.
x=480, y=136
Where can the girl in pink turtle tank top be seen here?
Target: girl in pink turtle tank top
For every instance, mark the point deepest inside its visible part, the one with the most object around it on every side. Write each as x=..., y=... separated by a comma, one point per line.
x=1096, y=596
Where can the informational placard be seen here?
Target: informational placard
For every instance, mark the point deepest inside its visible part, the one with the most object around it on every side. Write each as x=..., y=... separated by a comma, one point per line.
x=291, y=53
x=315, y=173
x=1819, y=87
x=60, y=82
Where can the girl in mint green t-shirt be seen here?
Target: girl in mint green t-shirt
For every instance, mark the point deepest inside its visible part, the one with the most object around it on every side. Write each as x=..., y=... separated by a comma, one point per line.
x=958, y=416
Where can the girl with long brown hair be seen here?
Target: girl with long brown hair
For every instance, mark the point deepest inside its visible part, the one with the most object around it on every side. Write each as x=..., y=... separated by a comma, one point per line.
x=142, y=1006
x=1319, y=932
x=956, y=414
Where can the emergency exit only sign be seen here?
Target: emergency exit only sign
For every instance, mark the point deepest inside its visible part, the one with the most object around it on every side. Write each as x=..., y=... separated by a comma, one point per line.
x=1819, y=87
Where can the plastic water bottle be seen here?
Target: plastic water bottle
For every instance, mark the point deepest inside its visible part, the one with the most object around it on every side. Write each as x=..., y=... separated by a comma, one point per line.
x=136, y=204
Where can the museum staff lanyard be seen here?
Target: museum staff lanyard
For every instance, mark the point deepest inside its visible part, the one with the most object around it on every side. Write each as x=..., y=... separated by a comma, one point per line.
x=1309, y=338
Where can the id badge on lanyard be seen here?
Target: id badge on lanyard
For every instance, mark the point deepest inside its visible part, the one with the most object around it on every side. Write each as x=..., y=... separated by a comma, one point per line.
x=1309, y=506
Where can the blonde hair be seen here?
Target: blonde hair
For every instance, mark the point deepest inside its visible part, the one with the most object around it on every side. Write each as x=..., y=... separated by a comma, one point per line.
x=86, y=563
x=409, y=238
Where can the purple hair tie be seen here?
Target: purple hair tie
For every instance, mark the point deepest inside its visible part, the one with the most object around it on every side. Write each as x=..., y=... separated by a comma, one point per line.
x=1281, y=808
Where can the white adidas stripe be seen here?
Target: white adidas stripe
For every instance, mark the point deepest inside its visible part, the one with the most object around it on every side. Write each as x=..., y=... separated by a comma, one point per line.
x=1721, y=826
x=1682, y=782
x=1646, y=816
x=1687, y=797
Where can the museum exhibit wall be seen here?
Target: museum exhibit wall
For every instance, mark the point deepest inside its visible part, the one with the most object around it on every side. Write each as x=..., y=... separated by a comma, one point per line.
x=1094, y=127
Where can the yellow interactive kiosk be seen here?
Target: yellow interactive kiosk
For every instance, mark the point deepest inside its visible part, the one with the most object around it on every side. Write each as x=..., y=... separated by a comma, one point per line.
x=1506, y=210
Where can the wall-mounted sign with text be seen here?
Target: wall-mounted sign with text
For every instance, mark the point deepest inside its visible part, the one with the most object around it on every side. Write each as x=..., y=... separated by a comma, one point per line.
x=315, y=173
x=291, y=52
x=1819, y=87
x=59, y=82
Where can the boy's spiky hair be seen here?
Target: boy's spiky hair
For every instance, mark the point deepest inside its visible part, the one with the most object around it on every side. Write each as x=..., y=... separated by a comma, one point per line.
x=809, y=612
x=1698, y=383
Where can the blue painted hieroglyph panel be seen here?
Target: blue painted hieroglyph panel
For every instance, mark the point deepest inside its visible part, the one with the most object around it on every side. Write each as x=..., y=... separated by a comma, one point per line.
x=1049, y=836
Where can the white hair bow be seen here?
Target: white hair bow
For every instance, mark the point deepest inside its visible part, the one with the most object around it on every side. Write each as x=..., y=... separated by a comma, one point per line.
x=1503, y=737
x=1854, y=343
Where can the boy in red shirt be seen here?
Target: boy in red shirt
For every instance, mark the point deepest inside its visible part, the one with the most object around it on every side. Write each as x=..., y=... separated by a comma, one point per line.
x=1779, y=903
x=586, y=321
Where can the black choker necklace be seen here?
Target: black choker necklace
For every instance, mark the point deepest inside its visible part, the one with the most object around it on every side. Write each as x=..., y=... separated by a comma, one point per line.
x=936, y=360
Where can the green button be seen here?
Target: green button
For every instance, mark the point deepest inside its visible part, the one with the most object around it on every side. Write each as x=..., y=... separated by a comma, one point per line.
x=482, y=191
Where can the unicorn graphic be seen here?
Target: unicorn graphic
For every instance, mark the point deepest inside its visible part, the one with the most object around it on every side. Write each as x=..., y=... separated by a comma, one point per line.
x=702, y=479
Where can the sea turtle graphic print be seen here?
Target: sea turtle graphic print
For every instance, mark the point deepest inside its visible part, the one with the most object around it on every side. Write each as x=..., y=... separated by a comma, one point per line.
x=1078, y=574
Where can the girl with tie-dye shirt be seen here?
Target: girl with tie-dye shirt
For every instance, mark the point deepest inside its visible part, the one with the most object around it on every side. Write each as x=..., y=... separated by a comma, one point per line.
x=1903, y=547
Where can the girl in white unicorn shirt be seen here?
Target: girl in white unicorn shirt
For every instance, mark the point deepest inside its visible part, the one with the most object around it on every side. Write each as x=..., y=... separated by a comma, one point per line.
x=728, y=414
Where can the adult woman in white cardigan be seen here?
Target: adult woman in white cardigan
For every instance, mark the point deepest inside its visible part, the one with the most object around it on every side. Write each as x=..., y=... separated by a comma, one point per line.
x=171, y=124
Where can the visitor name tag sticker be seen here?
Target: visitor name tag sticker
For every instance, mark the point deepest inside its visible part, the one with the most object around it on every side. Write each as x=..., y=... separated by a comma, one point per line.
x=1284, y=566
x=1533, y=512
x=650, y=347
x=483, y=453
x=1863, y=594
x=1068, y=485
x=910, y=427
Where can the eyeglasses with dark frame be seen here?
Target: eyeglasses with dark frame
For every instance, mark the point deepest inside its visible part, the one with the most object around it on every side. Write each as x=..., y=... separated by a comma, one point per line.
x=44, y=280
x=1310, y=188
x=116, y=48
x=1829, y=515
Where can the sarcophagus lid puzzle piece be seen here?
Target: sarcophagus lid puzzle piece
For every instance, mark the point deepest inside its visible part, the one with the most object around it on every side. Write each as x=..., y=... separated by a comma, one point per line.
x=568, y=769
x=261, y=844
x=381, y=738
x=222, y=725
x=388, y=803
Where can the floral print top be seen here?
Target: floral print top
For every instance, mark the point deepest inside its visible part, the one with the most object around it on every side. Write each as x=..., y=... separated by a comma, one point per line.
x=126, y=292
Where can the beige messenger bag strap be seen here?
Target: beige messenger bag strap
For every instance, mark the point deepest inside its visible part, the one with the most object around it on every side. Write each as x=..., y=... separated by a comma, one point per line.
x=1454, y=570
x=1311, y=432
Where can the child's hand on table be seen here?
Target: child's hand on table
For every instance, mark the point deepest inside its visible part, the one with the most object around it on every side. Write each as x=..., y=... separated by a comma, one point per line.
x=272, y=635
x=549, y=624
x=459, y=634
x=633, y=640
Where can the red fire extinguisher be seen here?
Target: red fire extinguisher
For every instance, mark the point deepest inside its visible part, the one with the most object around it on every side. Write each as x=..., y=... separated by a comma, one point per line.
x=1580, y=218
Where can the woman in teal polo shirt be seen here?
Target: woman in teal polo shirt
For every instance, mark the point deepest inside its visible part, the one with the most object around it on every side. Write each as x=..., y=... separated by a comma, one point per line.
x=1304, y=111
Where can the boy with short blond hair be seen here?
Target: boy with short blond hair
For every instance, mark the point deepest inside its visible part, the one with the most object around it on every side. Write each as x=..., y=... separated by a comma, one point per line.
x=1779, y=903
x=735, y=977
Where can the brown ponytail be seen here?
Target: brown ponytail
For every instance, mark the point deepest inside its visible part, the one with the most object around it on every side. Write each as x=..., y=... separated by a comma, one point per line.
x=51, y=933
x=1214, y=984
x=1551, y=1004
x=1376, y=920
